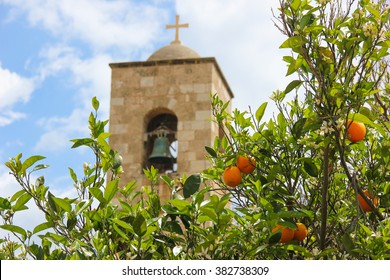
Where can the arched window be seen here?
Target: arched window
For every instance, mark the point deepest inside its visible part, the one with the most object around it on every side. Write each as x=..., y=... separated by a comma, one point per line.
x=161, y=144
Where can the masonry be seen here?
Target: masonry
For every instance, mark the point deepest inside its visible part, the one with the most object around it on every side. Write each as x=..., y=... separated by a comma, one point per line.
x=175, y=82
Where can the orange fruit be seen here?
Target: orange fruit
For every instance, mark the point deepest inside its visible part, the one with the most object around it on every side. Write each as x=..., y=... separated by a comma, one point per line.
x=246, y=164
x=301, y=232
x=355, y=131
x=232, y=176
x=363, y=204
x=287, y=233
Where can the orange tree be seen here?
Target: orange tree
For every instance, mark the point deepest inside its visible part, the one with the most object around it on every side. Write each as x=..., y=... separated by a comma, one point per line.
x=307, y=168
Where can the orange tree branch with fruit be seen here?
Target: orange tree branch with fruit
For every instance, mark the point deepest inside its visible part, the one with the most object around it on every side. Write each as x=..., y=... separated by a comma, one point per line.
x=324, y=157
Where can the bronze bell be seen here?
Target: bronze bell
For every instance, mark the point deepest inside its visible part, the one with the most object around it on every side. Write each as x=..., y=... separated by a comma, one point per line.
x=161, y=153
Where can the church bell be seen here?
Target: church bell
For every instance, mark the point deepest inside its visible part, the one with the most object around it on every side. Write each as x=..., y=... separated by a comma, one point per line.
x=161, y=153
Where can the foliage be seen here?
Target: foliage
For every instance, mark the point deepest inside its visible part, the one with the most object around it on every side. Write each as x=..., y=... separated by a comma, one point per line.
x=306, y=169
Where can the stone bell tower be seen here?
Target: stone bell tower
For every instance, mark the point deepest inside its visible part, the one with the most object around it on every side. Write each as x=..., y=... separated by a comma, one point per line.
x=160, y=111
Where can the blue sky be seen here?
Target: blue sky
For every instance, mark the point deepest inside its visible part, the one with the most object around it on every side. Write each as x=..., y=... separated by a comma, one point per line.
x=54, y=58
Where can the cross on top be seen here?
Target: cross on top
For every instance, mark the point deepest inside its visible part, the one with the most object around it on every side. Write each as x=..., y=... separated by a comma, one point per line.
x=177, y=26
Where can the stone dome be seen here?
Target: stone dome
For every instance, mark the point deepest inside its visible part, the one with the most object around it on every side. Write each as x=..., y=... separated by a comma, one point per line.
x=175, y=50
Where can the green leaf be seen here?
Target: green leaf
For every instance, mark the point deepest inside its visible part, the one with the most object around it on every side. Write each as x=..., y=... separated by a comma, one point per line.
x=360, y=118
x=310, y=167
x=210, y=213
x=81, y=206
x=167, y=180
x=326, y=252
x=211, y=151
x=292, y=42
x=104, y=145
x=291, y=214
x=15, y=229
x=30, y=161
x=121, y=233
x=139, y=225
x=260, y=111
x=191, y=185
x=373, y=11
x=37, y=251
x=71, y=223
x=82, y=142
x=62, y=203
x=39, y=167
x=366, y=229
x=95, y=103
x=295, y=4
x=275, y=170
x=275, y=237
x=21, y=202
x=4, y=203
x=173, y=226
x=111, y=189
x=288, y=224
x=73, y=175
x=308, y=213
x=98, y=194
x=297, y=128
x=52, y=204
x=56, y=238
x=292, y=85
x=16, y=195
x=306, y=20
x=299, y=249
x=266, y=204
x=42, y=227
x=181, y=205
x=223, y=202
x=348, y=243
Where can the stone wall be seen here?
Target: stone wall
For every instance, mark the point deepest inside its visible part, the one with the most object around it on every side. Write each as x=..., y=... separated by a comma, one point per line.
x=141, y=90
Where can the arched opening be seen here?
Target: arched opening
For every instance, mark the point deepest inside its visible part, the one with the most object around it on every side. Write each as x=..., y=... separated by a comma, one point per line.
x=161, y=143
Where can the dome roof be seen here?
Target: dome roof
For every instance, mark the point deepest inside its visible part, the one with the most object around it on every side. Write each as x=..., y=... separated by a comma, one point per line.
x=173, y=51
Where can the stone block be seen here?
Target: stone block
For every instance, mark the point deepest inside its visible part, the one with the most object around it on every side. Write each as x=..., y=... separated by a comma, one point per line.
x=186, y=88
x=186, y=135
x=118, y=128
x=203, y=115
x=117, y=101
x=147, y=81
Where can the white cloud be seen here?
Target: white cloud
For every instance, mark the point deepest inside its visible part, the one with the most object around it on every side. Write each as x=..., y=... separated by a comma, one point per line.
x=8, y=184
x=59, y=130
x=102, y=24
x=8, y=116
x=93, y=78
x=243, y=38
x=56, y=59
x=14, y=89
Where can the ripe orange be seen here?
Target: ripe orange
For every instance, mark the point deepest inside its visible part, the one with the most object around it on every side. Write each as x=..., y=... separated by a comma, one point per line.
x=232, y=176
x=363, y=204
x=356, y=131
x=287, y=233
x=246, y=164
x=301, y=232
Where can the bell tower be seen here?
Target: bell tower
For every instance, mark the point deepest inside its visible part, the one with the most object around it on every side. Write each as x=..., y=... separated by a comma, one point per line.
x=160, y=111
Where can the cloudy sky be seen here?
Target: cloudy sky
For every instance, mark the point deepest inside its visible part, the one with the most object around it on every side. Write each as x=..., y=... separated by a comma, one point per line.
x=54, y=58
